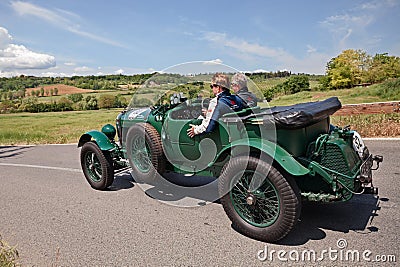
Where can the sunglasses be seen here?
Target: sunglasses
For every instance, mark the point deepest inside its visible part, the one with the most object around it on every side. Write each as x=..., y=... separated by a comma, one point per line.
x=213, y=85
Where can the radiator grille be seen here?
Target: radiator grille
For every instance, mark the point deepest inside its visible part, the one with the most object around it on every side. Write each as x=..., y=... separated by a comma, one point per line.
x=333, y=159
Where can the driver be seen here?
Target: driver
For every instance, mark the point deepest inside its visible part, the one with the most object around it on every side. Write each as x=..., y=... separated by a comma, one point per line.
x=222, y=103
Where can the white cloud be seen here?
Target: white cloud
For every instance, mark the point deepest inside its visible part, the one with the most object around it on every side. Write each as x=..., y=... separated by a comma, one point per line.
x=5, y=38
x=59, y=18
x=120, y=71
x=379, y=4
x=311, y=49
x=83, y=69
x=69, y=63
x=242, y=46
x=312, y=62
x=213, y=62
x=352, y=27
x=17, y=57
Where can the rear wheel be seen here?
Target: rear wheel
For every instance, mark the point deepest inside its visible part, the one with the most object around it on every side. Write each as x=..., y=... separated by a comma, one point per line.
x=260, y=202
x=97, y=166
x=145, y=152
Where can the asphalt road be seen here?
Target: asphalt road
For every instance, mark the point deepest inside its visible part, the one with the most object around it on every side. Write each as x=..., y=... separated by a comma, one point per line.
x=55, y=218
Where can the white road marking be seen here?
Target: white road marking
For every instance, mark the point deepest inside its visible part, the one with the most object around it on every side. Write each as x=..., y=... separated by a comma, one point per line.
x=381, y=138
x=40, y=167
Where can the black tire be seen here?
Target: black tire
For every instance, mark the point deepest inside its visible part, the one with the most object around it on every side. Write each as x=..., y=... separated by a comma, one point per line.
x=267, y=213
x=97, y=166
x=145, y=152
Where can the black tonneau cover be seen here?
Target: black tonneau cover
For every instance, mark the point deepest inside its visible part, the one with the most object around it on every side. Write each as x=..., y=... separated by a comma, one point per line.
x=304, y=114
x=289, y=117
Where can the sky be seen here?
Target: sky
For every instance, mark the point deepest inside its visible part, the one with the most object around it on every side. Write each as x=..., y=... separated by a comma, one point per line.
x=75, y=37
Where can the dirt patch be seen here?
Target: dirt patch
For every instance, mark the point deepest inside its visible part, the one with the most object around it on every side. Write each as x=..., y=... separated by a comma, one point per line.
x=62, y=90
x=370, y=108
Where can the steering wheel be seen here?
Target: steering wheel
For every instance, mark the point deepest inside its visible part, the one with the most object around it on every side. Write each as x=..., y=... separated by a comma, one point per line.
x=205, y=102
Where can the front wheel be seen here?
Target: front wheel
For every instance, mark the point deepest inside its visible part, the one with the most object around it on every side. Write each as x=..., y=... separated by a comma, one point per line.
x=260, y=202
x=97, y=166
x=145, y=152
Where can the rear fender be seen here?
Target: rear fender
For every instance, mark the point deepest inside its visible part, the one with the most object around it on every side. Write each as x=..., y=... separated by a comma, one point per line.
x=100, y=138
x=280, y=156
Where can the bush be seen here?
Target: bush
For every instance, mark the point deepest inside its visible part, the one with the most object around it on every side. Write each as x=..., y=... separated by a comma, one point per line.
x=91, y=103
x=75, y=97
x=106, y=101
x=295, y=84
x=141, y=102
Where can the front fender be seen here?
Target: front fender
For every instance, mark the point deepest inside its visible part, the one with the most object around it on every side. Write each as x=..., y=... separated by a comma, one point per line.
x=100, y=138
x=281, y=156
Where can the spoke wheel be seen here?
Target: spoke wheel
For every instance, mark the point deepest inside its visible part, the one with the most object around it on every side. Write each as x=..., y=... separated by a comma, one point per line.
x=258, y=207
x=145, y=152
x=141, y=155
x=260, y=202
x=97, y=166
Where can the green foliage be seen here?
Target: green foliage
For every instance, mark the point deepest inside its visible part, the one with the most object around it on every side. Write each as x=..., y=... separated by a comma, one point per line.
x=106, y=101
x=120, y=101
x=389, y=90
x=86, y=82
x=261, y=76
x=295, y=84
x=383, y=67
x=8, y=255
x=353, y=67
x=140, y=102
x=75, y=97
x=111, y=101
x=90, y=103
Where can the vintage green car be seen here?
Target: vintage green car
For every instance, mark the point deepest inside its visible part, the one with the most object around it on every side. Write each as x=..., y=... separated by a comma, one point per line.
x=266, y=161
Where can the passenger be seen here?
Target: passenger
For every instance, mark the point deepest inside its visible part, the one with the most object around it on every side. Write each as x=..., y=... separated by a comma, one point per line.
x=222, y=103
x=239, y=87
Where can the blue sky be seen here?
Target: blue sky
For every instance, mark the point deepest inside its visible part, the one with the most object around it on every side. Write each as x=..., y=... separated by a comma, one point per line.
x=75, y=37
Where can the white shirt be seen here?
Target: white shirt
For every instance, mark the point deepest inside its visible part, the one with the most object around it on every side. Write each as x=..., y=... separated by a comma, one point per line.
x=198, y=129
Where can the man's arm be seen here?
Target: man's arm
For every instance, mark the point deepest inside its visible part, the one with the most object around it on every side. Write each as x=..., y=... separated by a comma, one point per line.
x=203, y=127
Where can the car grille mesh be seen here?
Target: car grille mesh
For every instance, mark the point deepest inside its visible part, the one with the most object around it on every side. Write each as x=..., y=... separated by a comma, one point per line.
x=332, y=158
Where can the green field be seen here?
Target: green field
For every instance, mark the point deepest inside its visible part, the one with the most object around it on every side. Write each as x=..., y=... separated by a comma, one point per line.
x=346, y=96
x=51, y=127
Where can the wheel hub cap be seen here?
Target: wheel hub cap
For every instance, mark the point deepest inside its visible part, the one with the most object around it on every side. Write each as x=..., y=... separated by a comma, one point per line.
x=251, y=200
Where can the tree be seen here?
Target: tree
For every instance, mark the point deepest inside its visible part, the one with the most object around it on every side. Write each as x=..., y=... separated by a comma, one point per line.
x=383, y=67
x=75, y=97
x=91, y=103
x=41, y=91
x=106, y=101
x=348, y=68
x=56, y=91
x=120, y=101
x=296, y=83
